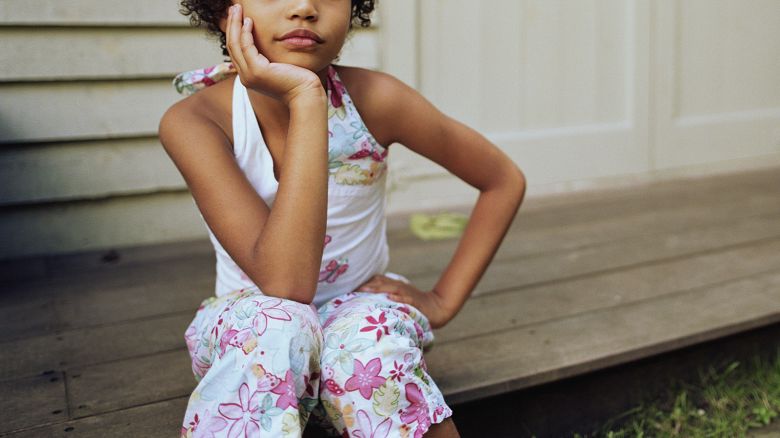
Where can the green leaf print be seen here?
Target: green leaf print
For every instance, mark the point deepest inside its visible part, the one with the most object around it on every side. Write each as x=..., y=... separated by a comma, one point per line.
x=291, y=426
x=421, y=374
x=386, y=399
x=331, y=410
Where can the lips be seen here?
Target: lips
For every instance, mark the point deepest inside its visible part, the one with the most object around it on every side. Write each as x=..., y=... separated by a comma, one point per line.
x=302, y=33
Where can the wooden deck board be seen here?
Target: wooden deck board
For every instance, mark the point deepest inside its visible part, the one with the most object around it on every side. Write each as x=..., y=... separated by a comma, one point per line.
x=154, y=420
x=131, y=382
x=563, y=347
x=98, y=342
x=575, y=250
x=571, y=267
x=32, y=401
x=748, y=193
x=126, y=383
x=536, y=304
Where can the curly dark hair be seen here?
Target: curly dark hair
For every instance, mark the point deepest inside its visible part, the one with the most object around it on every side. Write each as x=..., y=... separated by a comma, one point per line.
x=207, y=13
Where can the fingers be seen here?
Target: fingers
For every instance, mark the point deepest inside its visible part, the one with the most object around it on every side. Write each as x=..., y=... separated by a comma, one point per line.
x=379, y=283
x=232, y=36
x=252, y=56
x=400, y=298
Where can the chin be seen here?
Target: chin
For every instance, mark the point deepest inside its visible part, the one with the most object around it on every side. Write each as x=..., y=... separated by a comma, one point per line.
x=304, y=60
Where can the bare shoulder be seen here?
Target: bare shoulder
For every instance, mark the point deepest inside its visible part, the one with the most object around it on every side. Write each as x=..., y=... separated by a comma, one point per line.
x=208, y=109
x=379, y=97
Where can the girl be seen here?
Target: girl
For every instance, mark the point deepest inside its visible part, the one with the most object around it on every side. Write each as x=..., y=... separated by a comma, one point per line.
x=285, y=154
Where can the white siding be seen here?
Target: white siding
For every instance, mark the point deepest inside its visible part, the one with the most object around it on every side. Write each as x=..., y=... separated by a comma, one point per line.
x=83, y=84
x=580, y=93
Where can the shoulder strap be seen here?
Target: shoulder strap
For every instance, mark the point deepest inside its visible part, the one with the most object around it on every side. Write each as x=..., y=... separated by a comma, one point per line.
x=190, y=82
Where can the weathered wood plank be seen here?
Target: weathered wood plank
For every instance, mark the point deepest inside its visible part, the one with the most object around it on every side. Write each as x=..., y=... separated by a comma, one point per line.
x=32, y=401
x=614, y=214
x=84, y=170
x=134, y=382
x=494, y=312
x=77, y=305
x=579, y=236
x=103, y=53
x=599, y=257
x=125, y=383
x=640, y=285
x=569, y=220
x=181, y=284
x=90, y=12
x=94, y=345
x=556, y=349
x=161, y=420
x=80, y=304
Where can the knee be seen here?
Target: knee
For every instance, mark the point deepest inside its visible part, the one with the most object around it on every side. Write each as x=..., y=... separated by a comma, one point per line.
x=358, y=336
x=290, y=324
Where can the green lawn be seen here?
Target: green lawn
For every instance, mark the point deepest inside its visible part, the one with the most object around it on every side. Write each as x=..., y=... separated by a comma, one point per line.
x=726, y=401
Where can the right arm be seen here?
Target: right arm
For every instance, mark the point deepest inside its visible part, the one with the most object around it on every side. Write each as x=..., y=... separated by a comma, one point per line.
x=280, y=249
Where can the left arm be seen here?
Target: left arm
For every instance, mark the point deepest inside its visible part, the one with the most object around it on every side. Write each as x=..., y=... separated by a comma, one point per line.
x=471, y=157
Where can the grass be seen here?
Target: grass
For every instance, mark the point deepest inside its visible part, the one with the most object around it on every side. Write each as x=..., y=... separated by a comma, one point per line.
x=726, y=401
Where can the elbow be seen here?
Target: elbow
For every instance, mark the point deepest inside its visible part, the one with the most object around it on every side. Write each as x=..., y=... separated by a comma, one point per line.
x=290, y=290
x=517, y=183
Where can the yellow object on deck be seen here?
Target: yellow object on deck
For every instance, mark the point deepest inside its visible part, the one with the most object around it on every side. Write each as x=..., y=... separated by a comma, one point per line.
x=438, y=226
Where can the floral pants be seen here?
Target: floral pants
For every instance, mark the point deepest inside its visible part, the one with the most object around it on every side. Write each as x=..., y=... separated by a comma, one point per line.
x=265, y=364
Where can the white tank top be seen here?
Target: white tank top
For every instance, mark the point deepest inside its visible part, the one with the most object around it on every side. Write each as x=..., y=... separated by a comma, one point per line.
x=355, y=241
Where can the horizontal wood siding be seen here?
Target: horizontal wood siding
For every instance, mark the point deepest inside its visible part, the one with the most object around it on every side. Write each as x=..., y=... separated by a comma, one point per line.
x=84, y=84
x=102, y=53
x=33, y=174
x=90, y=12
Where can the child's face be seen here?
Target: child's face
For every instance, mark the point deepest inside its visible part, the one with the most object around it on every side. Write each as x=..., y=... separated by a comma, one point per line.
x=272, y=19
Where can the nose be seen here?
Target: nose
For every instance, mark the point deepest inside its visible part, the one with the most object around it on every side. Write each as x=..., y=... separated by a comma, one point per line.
x=305, y=9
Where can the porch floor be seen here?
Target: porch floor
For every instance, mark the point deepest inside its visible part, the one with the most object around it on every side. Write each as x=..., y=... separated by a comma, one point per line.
x=92, y=344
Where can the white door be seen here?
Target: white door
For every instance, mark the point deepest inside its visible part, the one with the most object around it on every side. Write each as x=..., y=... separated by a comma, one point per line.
x=589, y=92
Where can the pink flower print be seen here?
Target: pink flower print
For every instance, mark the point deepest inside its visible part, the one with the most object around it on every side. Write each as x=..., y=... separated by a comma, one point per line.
x=333, y=270
x=238, y=339
x=207, y=427
x=307, y=382
x=378, y=325
x=269, y=309
x=286, y=390
x=367, y=429
x=225, y=341
x=191, y=339
x=336, y=89
x=397, y=372
x=327, y=240
x=199, y=366
x=245, y=414
x=333, y=387
x=437, y=412
x=417, y=410
x=342, y=346
x=327, y=382
x=210, y=425
x=367, y=150
x=265, y=381
x=365, y=378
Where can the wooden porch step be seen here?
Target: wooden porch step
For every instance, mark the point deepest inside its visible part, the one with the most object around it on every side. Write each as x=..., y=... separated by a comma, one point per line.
x=578, y=286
